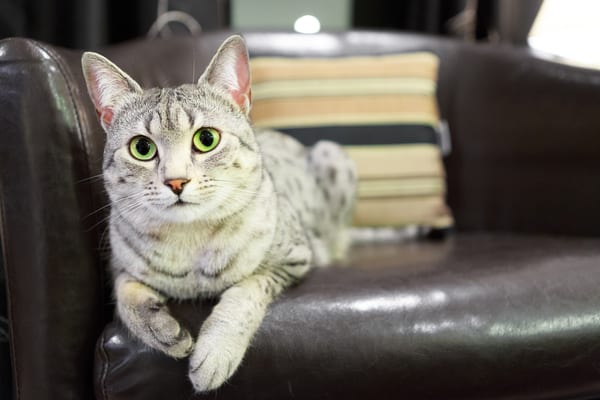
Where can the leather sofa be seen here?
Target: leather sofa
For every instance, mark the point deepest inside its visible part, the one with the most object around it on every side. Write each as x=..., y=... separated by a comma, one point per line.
x=507, y=307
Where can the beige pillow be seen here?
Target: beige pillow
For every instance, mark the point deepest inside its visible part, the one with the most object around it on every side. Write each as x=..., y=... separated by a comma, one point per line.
x=383, y=109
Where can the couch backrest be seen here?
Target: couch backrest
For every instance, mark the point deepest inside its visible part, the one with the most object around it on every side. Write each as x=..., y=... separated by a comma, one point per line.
x=525, y=143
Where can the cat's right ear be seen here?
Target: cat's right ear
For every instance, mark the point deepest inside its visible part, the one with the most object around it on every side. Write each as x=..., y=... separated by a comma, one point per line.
x=107, y=85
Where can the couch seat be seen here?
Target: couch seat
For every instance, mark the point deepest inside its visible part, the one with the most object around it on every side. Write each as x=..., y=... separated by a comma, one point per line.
x=475, y=316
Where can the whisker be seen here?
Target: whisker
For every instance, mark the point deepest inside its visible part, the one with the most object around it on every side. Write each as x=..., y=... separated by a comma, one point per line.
x=129, y=208
x=102, y=221
x=121, y=214
x=97, y=210
x=238, y=190
x=90, y=178
x=122, y=199
x=193, y=61
x=223, y=180
x=103, y=242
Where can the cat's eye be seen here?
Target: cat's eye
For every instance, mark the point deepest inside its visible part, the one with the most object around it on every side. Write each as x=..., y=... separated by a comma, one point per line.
x=142, y=148
x=206, y=139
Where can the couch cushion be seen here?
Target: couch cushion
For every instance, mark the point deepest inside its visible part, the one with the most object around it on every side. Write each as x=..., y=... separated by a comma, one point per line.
x=477, y=316
x=383, y=108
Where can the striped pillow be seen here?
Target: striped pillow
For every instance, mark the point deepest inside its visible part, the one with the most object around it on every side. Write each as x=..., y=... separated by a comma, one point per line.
x=383, y=109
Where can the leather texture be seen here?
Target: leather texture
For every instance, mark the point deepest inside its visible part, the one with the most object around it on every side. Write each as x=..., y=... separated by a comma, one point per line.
x=484, y=315
x=53, y=271
x=478, y=316
x=525, y=144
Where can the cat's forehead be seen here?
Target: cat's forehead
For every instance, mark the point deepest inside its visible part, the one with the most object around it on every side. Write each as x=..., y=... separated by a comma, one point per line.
x=172, y=111
x=177, y=111
x=164, y=103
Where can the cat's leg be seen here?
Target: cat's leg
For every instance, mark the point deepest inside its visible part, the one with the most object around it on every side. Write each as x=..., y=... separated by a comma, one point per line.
x=227, y=332
x=335, y=174
x=144, y=312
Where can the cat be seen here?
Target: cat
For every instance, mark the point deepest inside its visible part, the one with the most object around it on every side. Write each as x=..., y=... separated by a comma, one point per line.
x=202, y=205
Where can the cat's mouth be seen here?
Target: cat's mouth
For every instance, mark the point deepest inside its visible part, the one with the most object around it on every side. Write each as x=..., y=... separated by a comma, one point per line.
x=180, y=203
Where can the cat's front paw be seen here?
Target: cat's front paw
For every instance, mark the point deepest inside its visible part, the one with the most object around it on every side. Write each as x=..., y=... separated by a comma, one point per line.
x=173, y=339
x=152, y=323
x=213, y=362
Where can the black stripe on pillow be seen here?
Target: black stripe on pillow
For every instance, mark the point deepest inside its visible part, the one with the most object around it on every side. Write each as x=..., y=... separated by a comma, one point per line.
x=365, y=135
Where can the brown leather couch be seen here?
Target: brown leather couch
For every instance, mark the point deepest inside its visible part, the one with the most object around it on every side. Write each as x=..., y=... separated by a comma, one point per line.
x=508, y=307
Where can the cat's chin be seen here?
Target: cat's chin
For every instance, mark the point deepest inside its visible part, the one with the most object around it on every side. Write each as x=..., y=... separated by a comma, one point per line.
x=182, y=212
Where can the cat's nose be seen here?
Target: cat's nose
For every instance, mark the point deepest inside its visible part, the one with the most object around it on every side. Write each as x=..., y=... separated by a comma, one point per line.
x=176, y=185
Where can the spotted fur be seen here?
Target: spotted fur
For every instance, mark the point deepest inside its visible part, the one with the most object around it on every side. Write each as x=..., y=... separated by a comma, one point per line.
x=258, y=211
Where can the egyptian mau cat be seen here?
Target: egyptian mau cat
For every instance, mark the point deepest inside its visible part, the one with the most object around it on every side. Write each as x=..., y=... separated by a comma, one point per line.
x=204, y=206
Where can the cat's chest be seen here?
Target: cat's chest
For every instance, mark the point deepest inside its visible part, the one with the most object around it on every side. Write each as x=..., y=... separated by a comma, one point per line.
x=191, y=260
x=185, y=265
x=186, y=253
x=183, y=269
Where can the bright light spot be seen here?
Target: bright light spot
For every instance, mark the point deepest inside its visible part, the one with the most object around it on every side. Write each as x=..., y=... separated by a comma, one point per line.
x=404, y=302
x=568, y=30
x=307, y=24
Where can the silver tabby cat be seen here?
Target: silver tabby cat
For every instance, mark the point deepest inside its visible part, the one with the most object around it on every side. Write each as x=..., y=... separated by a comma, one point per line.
x=204, y=206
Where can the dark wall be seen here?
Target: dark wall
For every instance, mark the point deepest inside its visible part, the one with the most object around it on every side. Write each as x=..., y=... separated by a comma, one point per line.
x=507, y=21
x=429, y=16
x=91, y=24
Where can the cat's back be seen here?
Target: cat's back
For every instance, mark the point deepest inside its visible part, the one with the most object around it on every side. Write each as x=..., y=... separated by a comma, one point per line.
x=277, y=146
x=284, y=158
x=318, y=182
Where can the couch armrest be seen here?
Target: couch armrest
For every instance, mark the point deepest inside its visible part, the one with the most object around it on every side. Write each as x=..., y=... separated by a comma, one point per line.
x=54, y=277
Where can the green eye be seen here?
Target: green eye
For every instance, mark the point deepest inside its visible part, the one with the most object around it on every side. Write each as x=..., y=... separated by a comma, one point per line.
x=206, y=139
x=142, y=148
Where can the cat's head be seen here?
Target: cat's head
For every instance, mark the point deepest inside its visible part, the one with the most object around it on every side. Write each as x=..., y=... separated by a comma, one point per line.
x=178, y=154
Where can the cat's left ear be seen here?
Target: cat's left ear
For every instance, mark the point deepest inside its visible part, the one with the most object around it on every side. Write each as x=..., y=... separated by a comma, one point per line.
x=107, y=85
x=229, y=70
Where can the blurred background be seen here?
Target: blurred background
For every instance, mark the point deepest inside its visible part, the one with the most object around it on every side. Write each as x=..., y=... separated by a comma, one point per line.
x=563, y=29
x=93, y=23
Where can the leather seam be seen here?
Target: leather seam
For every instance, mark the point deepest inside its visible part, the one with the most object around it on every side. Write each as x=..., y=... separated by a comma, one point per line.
x=105, y=365
x=8, y=298
x=11, y=311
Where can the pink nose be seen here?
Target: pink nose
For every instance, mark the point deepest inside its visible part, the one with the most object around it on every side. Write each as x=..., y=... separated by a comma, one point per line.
x=176, y=185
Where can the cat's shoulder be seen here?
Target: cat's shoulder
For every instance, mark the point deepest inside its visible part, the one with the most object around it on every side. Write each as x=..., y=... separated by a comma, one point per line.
x=275, y=142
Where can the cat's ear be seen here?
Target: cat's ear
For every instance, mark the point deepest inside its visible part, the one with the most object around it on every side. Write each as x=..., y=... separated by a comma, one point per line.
x=107, y=85
x=229, y=70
